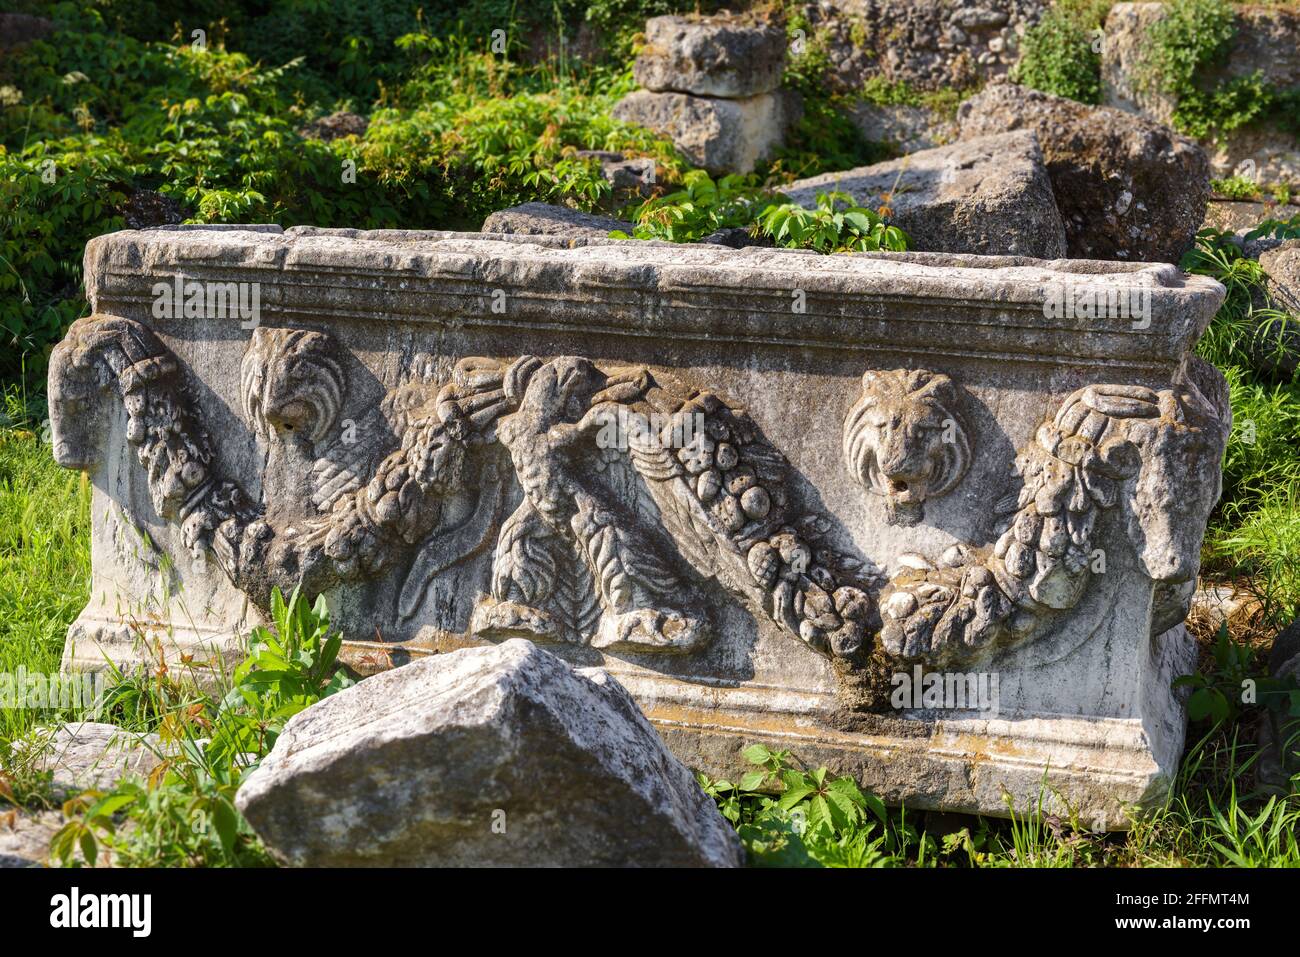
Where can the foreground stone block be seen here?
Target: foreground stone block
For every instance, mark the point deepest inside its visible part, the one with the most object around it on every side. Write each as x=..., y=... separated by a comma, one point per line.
x=766, y=490
x=989, y=195
x=722, y=136
x=499, y=756
x=710, y=56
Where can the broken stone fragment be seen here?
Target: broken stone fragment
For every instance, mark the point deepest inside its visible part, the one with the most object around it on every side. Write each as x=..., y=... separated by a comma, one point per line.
x=989, y=195
x=500, y=756
x=543, y=219
x=722, y=136
x=1127, y=188
x=95, y=756
x=710, y=56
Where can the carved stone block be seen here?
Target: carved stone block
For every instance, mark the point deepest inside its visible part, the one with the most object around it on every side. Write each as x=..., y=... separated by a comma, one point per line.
x=811, y=501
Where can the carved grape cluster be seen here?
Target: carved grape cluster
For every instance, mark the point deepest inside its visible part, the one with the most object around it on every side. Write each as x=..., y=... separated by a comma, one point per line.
x=737, y=477
x=740, y=479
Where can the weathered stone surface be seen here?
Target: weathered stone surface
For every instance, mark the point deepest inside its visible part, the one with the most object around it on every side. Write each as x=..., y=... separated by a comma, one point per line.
x=630, y=180
x=501, y=756
x=335, y=126
x=989, y=195
x=753, y=484
x=1127, y=188
x=17, y=29
x=91, y=755
x=543, y=219
x=1278, y=348
x=1239, y=216
x=1262, y=153
x=926, y=44
x=722, y=136
x=1279, y=736
x=146, y=207
x=710, y=56
x=908, y=129
x=25, y=837
x=1267, y=40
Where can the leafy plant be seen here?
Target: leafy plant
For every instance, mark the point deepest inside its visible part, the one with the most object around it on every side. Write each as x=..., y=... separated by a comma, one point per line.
x=1059, y=54
x=828, y=229
x=701, y=207
x=184, y=813
x=1235, y=187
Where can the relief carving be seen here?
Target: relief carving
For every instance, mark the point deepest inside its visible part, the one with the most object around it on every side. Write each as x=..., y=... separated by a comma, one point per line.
x=906, y=441
x=608, y=546
x=1109, y=449
x=614, y=540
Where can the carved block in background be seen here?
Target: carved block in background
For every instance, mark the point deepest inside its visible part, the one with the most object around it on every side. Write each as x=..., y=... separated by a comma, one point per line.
x=639, y=455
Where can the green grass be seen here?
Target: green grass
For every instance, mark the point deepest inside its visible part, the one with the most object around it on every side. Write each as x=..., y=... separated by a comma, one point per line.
x=44, y=559
x=1213, y=817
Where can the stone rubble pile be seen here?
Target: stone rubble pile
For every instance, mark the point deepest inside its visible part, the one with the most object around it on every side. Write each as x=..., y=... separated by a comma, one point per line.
x=1127, y=187
x=712, y=85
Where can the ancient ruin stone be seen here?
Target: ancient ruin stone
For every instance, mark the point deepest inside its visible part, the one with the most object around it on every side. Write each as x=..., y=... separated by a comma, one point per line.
x=989, y=195
x=499, y=756
x=1127, y=188
x=925, y=44
x=94, y=756
x=755, y=485
x=1279, y=757
x=336, y=126
x=907, y=129
x=25, y=837
x=1266, y=40
x=1278, y=348
x=722, y=136
x=710, y=56
x=146, y=207
x=543, y=219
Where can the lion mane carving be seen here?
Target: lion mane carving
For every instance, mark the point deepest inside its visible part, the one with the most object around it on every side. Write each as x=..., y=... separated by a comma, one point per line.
x=905, y=439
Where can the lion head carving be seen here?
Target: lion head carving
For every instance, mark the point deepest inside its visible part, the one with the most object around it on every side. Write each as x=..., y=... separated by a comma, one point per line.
x=292, y=383
x=905, y=439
